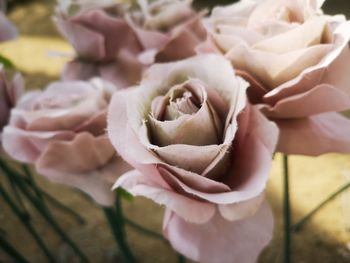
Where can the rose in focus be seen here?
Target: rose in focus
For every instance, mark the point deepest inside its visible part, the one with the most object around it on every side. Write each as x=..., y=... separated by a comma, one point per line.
x=116, y=41
x=199, y=149
x=297, y=60
x=62, y=131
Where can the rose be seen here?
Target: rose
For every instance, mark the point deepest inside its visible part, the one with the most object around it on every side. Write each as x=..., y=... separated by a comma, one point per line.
x=116, y=41
x=200, y=150
x=297, y=61
x=169, y=30
x=62, y=131
x=10, y=91
x=106, y=45
x=7, y=30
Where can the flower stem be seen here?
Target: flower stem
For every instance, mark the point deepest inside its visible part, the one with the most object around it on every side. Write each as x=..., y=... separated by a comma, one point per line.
x=116, y=221
x=24, y=219
x=11, y=251
x=181, y=259
x=305, y=219
x=38, y=205
x=286, y=213
x=42, y=195
x=143, y=229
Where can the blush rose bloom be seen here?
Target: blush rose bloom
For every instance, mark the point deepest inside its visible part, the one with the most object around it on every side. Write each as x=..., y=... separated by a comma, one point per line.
x=199, y=149
x=62, y=131
x=117, y=41
x=7, y=30
x=10, y=92
x=297, y=60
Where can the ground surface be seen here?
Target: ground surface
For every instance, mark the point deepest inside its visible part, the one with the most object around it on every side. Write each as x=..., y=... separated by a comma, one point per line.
x=325, y=238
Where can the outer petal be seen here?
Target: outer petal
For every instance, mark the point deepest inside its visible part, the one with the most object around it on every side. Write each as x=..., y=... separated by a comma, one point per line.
x=188, y=208
x=320, y=99
x=97, y=183
x=319, y=134
x=219, y=240
x=82, y=154
x=27, y=146
x=7, y=30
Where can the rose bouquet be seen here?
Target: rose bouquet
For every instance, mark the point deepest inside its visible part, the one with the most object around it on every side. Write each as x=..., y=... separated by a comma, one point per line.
x=187, y=108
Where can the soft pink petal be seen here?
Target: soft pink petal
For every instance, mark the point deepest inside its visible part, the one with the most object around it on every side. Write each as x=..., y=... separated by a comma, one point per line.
x=7, y=30
x=319, y=134
x=320, y=99
x=96, y=183
x=27, y=146
x=220, y=240
x=82, y=154
x=188, y=208
x=86, y=42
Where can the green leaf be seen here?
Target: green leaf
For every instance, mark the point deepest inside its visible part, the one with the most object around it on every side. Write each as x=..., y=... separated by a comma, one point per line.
x=125, y=194
x=7, y=63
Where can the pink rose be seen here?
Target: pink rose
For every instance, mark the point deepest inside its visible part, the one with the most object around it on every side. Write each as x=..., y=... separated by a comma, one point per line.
x=116, y=42
x=203, y=152
x=62, y=131
x=168, y=30
x=7, y=30
x=10, y=91
x=297, y=61
x=106, y=45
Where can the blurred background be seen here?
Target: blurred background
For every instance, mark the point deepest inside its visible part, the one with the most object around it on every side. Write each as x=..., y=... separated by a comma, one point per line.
x=325, y=239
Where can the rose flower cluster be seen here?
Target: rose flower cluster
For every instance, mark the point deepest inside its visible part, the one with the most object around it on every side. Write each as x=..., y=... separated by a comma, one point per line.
x=187, y=108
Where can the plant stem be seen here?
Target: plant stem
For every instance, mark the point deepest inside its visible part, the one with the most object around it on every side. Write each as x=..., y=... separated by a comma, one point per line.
x=22, y=217
x=305, y=219
x=143, y=229
x=42, y=210
x=11, y=251
x=286, y=213
x=116, y=221
x=181, y=259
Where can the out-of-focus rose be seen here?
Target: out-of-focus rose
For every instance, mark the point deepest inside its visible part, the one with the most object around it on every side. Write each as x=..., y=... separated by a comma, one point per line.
x=116, y=41
x=200, y=150
x=105, y=44
x=62, y=131
x=168, y=30
x=10, y=91
x=297, y=60
x=7, y=30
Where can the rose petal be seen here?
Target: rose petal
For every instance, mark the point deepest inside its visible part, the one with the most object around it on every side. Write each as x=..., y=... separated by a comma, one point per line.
x=319, y=134
x=190, y=209
x=26, y=146
x=320, y=99
x=220, y=240
x=82, y=154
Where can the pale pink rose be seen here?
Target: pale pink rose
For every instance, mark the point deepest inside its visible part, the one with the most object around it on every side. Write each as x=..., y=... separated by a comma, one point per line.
x=199, y=149
x=8, y=31
x=116, y=41
x=10, y=92
x=105, y=44
x=62, y=131
x=168, y=30
x=297, y=60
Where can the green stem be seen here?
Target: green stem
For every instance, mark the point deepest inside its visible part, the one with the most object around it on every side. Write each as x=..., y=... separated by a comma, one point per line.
x=29, y=180
x=11, y=251
x=27, y=224
x=63, y=207
x=44, y=212
x=143, y=229
x=301, y=223
x=181, y=259
x=286, y=213
x=116, y=221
